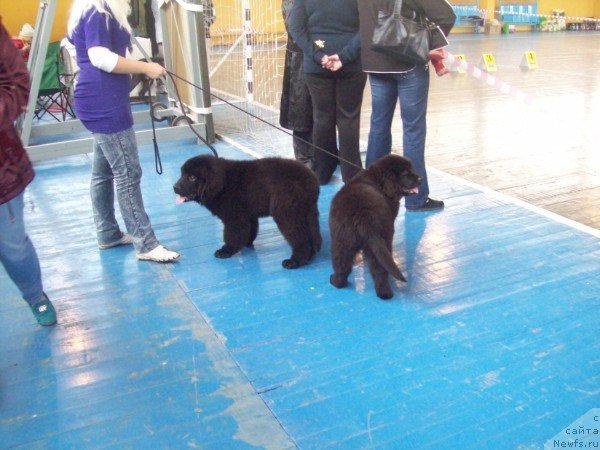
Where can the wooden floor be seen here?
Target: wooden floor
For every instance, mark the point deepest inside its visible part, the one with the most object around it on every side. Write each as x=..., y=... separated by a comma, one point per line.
x=492, y=343
x=546, y=154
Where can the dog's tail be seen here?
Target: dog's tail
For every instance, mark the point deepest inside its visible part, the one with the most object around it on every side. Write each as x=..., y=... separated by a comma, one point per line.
x=315, y=230
x=385, y=258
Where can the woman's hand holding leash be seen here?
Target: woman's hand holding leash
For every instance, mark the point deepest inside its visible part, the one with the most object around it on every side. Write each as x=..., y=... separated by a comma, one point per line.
x=154, y=70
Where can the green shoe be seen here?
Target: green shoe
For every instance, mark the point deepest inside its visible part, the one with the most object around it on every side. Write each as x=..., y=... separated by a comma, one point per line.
x=44, y=312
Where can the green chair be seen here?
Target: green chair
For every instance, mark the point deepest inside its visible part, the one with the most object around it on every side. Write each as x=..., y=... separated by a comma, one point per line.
x=56, y=86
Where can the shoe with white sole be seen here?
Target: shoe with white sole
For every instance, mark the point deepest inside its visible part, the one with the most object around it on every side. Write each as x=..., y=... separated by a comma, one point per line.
x=158, y=254
x=126, y=239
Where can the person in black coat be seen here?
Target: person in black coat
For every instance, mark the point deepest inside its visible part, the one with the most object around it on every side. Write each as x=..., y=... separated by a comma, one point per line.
x=295, y=111
x=328, y=34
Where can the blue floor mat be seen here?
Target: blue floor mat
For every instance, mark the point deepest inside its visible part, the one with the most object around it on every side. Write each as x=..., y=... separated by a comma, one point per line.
x=492, y=342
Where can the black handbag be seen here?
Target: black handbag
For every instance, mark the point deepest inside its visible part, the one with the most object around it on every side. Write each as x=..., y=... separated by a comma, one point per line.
x=401, y=37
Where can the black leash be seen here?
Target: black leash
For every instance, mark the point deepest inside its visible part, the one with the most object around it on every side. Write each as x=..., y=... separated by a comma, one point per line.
x=189, y=121
x=157, y=161
x=171, y=74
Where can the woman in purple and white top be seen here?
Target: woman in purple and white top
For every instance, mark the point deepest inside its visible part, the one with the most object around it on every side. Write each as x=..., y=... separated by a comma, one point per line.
x=101, y=35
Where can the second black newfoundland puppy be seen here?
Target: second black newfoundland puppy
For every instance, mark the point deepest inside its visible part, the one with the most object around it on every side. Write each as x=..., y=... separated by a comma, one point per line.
x=362, y=216
x=239, y=192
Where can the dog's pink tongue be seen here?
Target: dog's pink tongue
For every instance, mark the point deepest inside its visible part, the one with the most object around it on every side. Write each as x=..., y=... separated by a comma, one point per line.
x=414, y=190
x=179, y=200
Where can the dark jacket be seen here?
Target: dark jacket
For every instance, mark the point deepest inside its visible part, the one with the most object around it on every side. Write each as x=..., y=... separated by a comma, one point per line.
x=15, y=168
x=295, y=111
x=438, y=11
x=326, y=28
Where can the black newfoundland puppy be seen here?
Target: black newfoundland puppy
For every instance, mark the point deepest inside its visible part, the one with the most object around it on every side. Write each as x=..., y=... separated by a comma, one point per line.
x=239, y=192
x=362, y=217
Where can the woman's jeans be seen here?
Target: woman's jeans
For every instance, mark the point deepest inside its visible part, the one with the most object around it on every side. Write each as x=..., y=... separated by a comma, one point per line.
x=116, y=160
x=336, y=100
x=412, y=89
x=17, y=253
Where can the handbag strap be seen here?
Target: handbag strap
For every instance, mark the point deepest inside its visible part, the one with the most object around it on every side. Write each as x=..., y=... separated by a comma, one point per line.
x=416, y=8
x=397, y=8
x=416, y=14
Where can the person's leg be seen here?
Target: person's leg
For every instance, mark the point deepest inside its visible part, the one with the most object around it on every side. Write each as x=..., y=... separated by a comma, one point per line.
x=322, y=92
x=17, y=253
x=348, y=122
x=413, y=90
x=103, y=199
x=120, y=151
x=384, y=97
x=20, y=260
x=303, y=149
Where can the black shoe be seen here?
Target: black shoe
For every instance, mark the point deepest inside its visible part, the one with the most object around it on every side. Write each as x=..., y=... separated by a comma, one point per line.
x=429, y=205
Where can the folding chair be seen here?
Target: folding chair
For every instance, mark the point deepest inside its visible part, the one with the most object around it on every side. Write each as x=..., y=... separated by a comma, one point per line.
x=56, y=86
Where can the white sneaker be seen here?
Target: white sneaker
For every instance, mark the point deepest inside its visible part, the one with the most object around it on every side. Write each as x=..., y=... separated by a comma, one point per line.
x=158, y=254
x=126, y=239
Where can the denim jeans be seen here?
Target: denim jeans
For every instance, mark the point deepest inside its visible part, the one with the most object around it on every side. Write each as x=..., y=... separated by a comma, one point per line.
x=116, y=164
x=412, y=89
x=17, y=253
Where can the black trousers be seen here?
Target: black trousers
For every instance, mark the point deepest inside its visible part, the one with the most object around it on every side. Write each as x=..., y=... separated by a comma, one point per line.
x=337, y=99
x=303, y=149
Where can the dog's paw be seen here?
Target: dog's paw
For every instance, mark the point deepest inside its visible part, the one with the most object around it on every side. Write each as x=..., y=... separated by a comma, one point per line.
x=338, y=281
x=290, y=264
x=224, y=252
x=385, y=294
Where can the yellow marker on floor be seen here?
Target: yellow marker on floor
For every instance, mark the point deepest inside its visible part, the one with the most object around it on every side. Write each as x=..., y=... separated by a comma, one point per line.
x=529, y=61
x=459, y=68
x=488, y=63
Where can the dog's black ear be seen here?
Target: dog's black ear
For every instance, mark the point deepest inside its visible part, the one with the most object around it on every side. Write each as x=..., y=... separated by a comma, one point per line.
x=211, y=179
x=390, y=185
x=392, y=177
